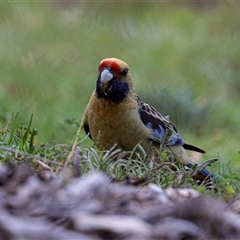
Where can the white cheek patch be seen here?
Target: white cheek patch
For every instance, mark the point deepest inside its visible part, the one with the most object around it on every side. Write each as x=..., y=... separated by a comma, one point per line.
x=106, y=76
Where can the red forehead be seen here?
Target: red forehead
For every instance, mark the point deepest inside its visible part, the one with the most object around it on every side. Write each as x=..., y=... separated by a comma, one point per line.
x=109, y=63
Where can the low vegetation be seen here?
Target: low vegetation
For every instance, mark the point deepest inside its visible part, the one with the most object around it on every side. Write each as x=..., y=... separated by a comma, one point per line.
x=184, y=59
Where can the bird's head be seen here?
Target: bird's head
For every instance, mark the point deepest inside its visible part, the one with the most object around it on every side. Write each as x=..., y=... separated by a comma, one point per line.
x=114, y=80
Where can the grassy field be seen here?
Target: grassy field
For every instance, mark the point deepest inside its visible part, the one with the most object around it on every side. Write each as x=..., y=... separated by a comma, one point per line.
x=184, y=58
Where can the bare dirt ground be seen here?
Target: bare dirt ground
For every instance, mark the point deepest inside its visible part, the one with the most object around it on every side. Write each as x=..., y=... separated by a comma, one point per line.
x=40, y=205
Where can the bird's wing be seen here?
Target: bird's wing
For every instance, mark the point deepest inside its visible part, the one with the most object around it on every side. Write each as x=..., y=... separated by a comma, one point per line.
x=85, y=123
x=155, y=121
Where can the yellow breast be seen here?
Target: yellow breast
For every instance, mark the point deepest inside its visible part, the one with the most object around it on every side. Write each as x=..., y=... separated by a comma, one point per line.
x=116, y=123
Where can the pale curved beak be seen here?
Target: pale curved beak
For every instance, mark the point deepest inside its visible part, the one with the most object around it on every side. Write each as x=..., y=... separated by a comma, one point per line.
x=106, y=76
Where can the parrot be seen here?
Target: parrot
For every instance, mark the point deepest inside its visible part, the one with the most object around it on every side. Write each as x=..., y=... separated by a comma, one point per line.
x=116, y=116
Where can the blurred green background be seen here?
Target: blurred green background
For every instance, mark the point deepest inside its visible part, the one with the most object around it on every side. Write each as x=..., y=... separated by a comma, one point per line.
x=184, y=59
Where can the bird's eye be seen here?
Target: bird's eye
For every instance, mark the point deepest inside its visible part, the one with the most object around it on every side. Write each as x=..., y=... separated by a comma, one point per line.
x=124, y=72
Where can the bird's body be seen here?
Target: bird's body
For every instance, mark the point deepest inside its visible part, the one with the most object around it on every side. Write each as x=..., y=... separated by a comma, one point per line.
x=115, y=115
x=112, y=123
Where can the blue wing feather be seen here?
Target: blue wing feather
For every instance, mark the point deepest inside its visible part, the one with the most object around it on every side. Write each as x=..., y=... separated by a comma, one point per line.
x=159, y=132
x=155, y=121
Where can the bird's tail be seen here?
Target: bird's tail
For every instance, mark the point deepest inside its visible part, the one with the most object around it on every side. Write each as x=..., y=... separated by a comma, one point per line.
x=202, y=175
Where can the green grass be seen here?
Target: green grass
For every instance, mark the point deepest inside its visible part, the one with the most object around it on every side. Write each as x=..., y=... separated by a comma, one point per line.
x=17, y=147
x=184, y=61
